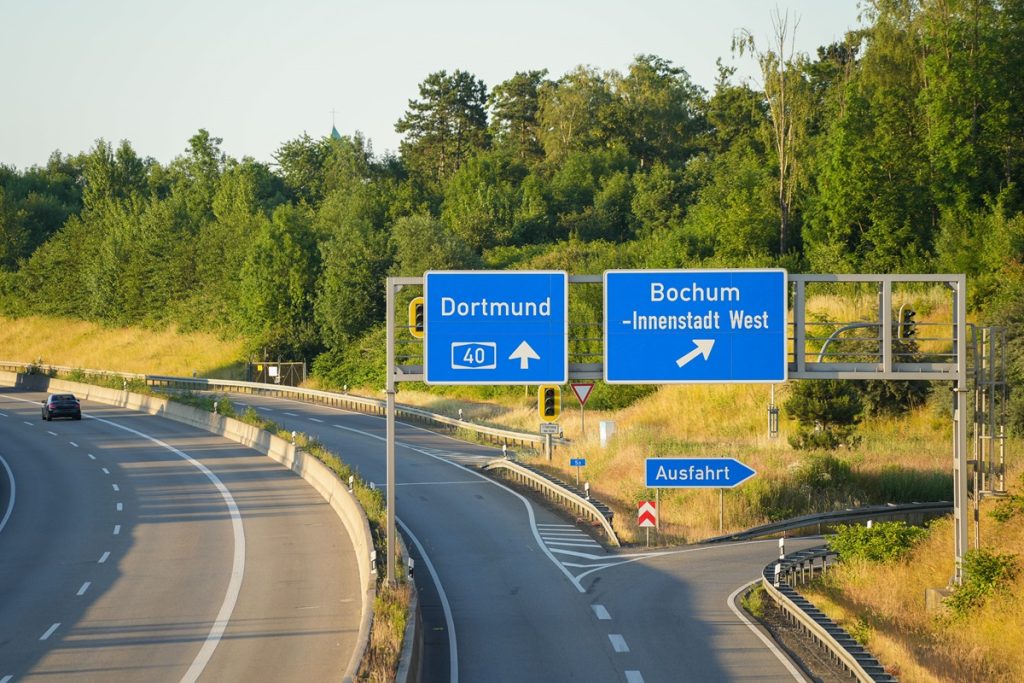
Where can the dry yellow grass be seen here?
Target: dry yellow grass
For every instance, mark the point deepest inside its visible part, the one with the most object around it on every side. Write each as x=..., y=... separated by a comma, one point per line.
x=81, y=344
x=923, y=647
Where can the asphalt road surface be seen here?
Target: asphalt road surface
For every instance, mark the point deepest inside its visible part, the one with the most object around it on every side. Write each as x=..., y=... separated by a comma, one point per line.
x=134, y=548
x=512, y=591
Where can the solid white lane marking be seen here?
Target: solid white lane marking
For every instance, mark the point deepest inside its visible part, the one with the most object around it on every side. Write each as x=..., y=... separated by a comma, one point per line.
x=10, y=503
x=51, y=433
x=120, y=507
x=220, y=624
x=73, y=444
x=568, y=544
x=117, y=529
x=526, y=503
x=601, y=612
x=453, y=650
x=556, y=526
x=91, y=456
x=618, y=642
x=731, y=601
x=313, y=419
x=85, y=587
x=105, y=470
x=104, y=556
x=634, y=677
x=49, y=631
x=116, y=487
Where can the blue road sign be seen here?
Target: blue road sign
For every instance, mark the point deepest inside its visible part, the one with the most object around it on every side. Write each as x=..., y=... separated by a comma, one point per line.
x=577, y=462
x=496, y=327
x=696, y=473
x=678, y=326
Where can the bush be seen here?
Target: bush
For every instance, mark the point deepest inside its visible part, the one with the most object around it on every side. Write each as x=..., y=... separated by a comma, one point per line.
x=828, y=412
x=985, y=572
x=885, y=542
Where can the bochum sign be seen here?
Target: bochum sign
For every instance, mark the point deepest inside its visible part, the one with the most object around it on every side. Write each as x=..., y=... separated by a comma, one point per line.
x=677, y=326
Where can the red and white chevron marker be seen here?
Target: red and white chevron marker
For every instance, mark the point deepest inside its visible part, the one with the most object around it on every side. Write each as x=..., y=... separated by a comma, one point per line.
x=647, y=514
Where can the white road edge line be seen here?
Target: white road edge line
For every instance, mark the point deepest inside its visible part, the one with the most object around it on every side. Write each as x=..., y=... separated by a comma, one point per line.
x=731, y=600
x=49, y=631
x=10, y=503
x=452, y=647
x=220, y=624
x=526, y=503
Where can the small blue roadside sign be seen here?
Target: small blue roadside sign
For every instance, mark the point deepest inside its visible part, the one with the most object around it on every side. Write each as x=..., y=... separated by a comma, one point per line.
x=696, y=473
x=577, y=462
x=687, y=326
x=496, y=327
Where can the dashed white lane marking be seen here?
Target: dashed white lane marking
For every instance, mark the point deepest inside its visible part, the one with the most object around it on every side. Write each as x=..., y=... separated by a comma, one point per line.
x=618, y=642
x=85, y=587
x=555, y=526
x=573, y=544
x=3, y=415
x=120, y=507
x=49, y=631
x=91, y=456
x=103, y=557
x=30, y=424
x=6, y=679
x=601, y=612
x=117, y=529
x=116, y=487
x=634, y=677
x=292, y=414
x=313, y=419
x=51, y=433
x=264, y=409
x=105, y=470
x=73, y=444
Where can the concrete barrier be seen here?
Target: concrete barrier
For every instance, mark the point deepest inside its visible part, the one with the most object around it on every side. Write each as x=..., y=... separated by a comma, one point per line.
x=306, y=466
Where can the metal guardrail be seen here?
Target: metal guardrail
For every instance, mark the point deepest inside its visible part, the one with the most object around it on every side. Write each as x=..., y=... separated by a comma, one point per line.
x=564, y=493
x=913, y=512
x=779, y=580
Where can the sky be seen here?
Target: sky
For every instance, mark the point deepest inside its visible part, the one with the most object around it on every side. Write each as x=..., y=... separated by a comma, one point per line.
x=258, y=73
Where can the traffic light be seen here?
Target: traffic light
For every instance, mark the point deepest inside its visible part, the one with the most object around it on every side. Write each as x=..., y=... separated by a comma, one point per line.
x=416, y=317
x=908, y=328
x=549, y=402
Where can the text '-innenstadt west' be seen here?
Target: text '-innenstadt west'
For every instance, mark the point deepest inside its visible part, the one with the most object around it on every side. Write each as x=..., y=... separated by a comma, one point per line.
x=706, y=317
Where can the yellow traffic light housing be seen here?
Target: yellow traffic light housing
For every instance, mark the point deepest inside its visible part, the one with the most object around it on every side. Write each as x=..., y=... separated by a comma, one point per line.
x=549, y=402
x=416, y=325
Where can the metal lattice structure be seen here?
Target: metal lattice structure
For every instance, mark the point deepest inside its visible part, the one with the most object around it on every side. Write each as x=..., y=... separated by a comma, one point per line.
x=881, y=342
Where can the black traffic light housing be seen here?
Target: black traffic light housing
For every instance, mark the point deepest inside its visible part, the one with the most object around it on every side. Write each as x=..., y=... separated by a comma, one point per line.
x=416, y=325
x=549, y=402
x=908, y=327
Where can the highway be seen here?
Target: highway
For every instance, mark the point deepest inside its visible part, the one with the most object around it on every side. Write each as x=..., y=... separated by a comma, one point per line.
x=512, y=591
x=135, y=548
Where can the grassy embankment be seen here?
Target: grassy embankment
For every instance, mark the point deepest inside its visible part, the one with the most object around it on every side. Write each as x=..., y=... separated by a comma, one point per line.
x=986, y=643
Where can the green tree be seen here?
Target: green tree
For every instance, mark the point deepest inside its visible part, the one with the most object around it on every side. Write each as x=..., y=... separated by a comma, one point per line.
x=278, y=282
x=481, y=199
x=421, y=243
x=576, y=114
x=446, y=126
x=828, y=412
x=515, y=105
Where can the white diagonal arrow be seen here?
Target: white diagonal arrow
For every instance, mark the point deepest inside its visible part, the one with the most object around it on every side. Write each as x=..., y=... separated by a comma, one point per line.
x=703, y=347
x=524, y=353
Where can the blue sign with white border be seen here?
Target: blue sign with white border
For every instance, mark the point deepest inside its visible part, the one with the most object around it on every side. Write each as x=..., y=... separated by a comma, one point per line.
x=577, y=462
x=496, y=327
x=696, y=473
x=689, y=326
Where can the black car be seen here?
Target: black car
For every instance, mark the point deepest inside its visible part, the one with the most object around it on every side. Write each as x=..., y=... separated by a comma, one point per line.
x=62, y=405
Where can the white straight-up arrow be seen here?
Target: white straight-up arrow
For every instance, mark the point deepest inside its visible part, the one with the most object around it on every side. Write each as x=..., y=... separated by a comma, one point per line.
x=703, y=347
x=524, y=353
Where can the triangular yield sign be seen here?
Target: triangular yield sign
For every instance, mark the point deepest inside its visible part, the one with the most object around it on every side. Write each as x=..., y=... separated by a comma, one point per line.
x=582, y=392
